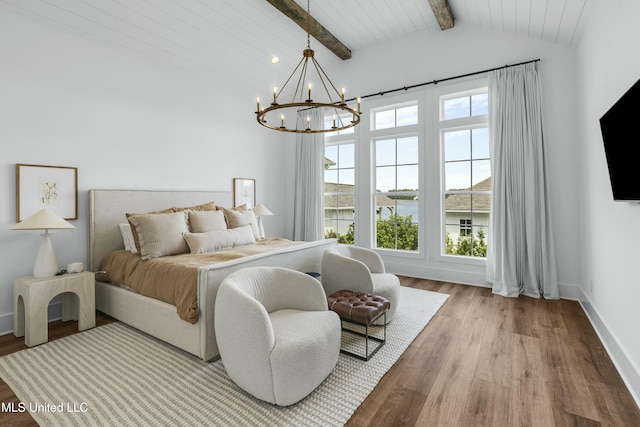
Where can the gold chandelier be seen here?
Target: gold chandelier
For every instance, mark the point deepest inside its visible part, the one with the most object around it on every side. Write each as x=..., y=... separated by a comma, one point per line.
x=294, y=116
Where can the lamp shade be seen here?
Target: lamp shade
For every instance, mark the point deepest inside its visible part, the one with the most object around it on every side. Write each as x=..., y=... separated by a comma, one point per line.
x=261, y=210
x=46, y=263
x=42, y=220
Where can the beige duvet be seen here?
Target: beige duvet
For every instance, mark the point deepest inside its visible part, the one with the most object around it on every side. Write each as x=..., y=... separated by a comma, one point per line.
x=174, y=279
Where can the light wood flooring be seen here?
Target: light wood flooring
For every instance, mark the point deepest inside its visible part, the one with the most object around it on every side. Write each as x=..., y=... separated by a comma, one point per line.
x=483, y=360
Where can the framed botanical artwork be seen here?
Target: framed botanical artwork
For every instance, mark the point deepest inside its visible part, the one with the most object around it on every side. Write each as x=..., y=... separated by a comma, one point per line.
x=51, y=187
x=244, y=191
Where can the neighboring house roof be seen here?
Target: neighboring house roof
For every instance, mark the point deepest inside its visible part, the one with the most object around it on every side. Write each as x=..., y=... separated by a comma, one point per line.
x=328, y=163
x=346, y=198
x=453, y=202
x=462, y=202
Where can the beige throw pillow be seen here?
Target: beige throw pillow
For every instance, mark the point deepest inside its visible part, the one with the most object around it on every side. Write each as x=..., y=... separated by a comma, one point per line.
x=238, y=218
x=204, y=221
x=217, y=240
x=159, y=234
x=211, y=206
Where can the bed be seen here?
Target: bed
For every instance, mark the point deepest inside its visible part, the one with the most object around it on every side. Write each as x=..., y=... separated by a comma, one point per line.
x=107, y=209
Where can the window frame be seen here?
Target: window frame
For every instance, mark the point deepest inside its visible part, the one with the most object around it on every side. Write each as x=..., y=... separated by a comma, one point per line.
x=374, y=135
x=452, y=91
x=335, y=140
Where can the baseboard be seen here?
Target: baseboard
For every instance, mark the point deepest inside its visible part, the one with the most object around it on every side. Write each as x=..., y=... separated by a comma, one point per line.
x=474, y=277
x=626, y=368
x=6, y=324
x=54, y=312
x=571, y=292
x=450, y=275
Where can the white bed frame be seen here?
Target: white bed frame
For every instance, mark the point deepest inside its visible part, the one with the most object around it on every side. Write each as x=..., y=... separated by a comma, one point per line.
x=107, y=209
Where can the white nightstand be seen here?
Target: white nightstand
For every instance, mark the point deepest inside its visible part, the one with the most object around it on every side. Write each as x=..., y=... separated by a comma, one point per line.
x=31, y=296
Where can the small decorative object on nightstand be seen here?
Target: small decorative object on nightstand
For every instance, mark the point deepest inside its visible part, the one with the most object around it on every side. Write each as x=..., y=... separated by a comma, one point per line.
x=31, y=296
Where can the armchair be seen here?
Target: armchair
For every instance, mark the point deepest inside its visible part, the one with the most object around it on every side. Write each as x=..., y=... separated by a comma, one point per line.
x=359, y=269
x=277, y=339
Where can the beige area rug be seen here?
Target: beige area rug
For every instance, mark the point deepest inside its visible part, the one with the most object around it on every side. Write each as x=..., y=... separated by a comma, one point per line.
x=114, y=375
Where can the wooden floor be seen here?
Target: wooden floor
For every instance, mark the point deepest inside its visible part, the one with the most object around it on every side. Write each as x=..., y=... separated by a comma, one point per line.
x=483, y=360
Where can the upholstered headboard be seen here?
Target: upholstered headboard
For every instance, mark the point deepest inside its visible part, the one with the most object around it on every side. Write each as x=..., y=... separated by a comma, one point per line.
x=107, y=209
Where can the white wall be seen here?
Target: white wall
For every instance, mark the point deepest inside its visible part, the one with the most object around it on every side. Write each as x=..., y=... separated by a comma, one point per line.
x=124, y=122
x=608, y=64
x=433, y=55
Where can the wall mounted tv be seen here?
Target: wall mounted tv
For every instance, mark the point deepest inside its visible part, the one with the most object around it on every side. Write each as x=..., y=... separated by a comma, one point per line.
x=620, y=127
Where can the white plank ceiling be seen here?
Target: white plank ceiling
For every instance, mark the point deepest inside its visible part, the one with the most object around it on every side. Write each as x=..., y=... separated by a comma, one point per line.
x=234, y=39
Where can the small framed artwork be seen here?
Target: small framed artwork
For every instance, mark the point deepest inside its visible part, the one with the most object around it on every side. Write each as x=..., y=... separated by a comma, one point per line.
x=244, y=191
x=51, y=187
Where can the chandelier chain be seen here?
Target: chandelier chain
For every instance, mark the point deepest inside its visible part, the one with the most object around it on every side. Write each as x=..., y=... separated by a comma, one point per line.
x=308, y=25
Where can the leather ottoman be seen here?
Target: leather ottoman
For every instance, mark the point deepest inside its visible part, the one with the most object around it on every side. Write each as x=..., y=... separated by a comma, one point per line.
x=362, y=309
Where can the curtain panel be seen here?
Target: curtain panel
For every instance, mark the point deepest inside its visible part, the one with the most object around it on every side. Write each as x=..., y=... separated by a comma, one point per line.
x=308, y=214
x=521, y=255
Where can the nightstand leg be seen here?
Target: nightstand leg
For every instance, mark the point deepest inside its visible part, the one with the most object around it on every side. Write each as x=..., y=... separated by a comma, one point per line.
x=87, y=309
x=18, y=316
x=35, y=322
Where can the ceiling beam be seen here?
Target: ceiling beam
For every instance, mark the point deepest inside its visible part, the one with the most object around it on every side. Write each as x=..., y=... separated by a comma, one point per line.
x=443, y=14
x=298, y=15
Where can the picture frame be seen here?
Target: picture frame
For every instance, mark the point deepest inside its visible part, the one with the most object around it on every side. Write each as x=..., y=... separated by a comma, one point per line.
x=41, y=186
x=244, y=191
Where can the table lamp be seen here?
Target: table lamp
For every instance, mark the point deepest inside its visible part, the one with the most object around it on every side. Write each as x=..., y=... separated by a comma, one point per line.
x=259, y=211
x=46, y=263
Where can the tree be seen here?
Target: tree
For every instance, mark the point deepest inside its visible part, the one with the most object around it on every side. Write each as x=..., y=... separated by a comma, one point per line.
x=470, y=245
x=347, y=238
x=397, y=232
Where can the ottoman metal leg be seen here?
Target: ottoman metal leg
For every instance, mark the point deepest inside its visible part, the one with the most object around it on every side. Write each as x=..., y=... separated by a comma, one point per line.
x=381, y=341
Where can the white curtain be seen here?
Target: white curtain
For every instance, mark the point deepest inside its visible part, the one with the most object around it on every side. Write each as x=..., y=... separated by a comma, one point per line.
x=521, y=255
x=308, y=214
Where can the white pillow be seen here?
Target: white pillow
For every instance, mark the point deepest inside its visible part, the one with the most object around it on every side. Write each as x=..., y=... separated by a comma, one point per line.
x=205, y=221
x=127, y=238
x=217, y=240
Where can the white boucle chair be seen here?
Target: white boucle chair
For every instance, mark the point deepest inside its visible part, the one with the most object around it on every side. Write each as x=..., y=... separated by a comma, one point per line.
x=353, y=268
x=277, y=338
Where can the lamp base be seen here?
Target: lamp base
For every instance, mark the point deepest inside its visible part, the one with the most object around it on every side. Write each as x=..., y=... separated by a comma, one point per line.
x=260, y=228
x=46, y=263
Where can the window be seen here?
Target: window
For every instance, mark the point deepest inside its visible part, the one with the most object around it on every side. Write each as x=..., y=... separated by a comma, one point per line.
x=466, y=175
x=339, y=191
x=397, y=179
x=414, y=179
x=396, y=117
x=465, y=227
x=465, y=106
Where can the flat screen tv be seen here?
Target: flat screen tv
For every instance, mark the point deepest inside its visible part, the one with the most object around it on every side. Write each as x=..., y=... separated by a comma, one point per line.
x=620, y=127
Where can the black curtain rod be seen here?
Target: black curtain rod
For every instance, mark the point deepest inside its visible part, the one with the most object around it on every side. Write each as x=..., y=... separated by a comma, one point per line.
x=435, y=82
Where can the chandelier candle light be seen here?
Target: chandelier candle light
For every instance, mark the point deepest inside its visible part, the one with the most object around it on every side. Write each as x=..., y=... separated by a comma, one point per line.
x=297, y=110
